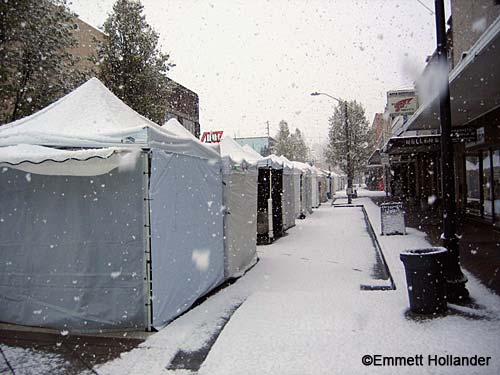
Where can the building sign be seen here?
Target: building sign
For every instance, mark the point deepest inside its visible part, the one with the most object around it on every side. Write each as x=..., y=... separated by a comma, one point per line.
x=392, y=218
x=401, y=102
x=465, y=135
x=212, y=136
x=422, y=140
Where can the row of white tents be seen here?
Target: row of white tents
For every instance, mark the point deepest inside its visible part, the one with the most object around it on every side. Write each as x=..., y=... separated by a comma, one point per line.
x=109, y=221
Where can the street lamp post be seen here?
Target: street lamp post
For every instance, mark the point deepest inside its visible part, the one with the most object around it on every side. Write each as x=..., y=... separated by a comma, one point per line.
x=347, y=141
x=455, y=279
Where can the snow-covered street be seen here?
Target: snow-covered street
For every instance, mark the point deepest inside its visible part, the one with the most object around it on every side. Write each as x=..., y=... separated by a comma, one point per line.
x=302, y=312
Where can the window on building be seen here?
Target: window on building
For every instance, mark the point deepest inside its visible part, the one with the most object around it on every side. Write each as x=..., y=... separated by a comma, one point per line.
x=472, y=165
x=496, y=185
x=487, y=186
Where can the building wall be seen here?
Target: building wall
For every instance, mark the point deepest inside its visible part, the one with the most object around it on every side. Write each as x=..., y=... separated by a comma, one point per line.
x=470, y=19
x=86, y=48
x=263, y=145
x=183, y=104
x=381, y=130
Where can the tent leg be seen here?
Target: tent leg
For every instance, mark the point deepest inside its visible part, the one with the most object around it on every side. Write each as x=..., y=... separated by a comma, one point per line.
x=148, y=281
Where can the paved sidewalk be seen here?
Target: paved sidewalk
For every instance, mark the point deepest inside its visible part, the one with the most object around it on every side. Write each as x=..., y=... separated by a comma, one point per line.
x=301, y=310
x=479, y=244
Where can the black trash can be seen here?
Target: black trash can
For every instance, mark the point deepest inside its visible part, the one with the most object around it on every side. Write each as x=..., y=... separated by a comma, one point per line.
x=425, y=279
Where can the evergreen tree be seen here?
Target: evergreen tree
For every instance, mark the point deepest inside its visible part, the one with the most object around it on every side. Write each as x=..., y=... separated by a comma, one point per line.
x=37, y=67
x=131, y=65
x=292, y=146
x=358, y=140
x=282, y=146
x=300, y=149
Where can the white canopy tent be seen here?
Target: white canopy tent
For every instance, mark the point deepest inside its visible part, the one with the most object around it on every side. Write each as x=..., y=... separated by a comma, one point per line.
x=314, y=187
x=305, y=189
x=240, y=199
x=288, y=194
x=297, y=190
x=269, y=199
x=100, y=204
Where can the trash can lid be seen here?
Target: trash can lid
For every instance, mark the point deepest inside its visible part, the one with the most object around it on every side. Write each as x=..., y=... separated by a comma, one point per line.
x=424, y=252
x=391, y=204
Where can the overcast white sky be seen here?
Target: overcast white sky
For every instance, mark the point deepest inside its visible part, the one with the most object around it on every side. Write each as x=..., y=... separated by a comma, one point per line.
x=257, y=61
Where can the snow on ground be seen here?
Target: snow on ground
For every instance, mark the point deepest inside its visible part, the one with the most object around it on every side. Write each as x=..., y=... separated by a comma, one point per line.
x=30, y=362
x=304, y=313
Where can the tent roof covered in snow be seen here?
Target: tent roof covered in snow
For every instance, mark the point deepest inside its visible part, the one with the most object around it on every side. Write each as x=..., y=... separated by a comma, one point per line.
x=306, y=168
x=92, y=116
x=273, y=161
x=251, y=151
x=230, y=148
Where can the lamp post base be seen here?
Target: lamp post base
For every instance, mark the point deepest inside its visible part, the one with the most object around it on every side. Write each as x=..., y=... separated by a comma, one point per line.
x=456, y=292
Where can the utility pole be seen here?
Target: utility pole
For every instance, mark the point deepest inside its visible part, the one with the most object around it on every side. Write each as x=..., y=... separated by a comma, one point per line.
x=268, y=138
x=348, y=156
x=455, y=279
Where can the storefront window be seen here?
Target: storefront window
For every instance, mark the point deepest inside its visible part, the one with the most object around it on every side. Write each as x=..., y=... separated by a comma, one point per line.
x=487, y=186
x=473, y=187
x=496, y=185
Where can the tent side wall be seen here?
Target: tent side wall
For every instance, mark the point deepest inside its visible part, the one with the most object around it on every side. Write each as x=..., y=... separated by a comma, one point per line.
x=296, y=194
x=277, y=197
x=288, y=200
x=70, y=245
x=308, y=193
x=314, y=190
x=187, y=248
x=323, y=189
x=263, y=195
x=240, y=226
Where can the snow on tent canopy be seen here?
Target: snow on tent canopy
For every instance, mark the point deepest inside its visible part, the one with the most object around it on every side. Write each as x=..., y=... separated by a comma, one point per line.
x=251, y=151
x=105, y=228
x=306, y=188
x=288, y=197
x=240, y=199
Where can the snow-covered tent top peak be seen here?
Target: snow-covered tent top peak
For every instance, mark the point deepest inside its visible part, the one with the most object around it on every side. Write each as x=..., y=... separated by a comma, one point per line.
x=232, y=149
x=89, y=111
x=174, y=126
x=251, y=151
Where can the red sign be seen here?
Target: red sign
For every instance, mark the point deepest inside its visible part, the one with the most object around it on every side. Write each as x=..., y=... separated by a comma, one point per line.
x=402, y=104
x=212, y=137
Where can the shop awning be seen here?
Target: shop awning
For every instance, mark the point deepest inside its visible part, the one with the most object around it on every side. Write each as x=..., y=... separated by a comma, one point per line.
x=412, y=145
x=374, y=160
x=474, y=85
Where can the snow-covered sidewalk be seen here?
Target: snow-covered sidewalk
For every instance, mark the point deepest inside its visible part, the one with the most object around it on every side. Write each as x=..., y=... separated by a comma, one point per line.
x=302, y=311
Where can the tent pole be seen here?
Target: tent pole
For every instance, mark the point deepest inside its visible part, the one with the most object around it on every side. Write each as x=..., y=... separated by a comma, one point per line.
x=148, y=290
x=270, y=207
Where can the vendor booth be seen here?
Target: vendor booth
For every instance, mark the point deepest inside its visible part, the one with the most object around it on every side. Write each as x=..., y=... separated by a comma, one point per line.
x=108, y=220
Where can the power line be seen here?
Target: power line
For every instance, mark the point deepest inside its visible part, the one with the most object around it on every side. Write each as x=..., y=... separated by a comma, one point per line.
x=426, y=7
